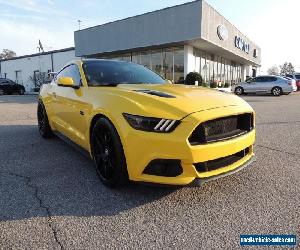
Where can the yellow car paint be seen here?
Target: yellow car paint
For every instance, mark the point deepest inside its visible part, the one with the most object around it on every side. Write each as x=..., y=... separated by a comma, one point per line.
x=192, y=105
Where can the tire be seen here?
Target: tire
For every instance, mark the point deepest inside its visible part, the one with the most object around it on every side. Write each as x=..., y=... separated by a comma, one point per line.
x=239, y=91
x=276, y=91
x=43, y=122
x=21, y=91
x=108, y=154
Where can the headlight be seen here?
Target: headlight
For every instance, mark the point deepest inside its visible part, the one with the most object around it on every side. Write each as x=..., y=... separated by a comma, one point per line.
x=151, y=124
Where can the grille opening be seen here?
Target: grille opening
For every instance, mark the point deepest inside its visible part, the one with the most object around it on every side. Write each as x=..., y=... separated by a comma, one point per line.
x=222, y=129
x=166, y=168
x=207, y=166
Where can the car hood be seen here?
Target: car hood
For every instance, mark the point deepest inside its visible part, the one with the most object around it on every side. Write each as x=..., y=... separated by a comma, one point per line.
x=179, y=99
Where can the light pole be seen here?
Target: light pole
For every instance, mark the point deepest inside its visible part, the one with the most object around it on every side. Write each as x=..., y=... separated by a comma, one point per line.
x=79, y=22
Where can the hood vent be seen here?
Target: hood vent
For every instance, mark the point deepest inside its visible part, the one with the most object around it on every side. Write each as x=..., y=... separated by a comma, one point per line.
x=156, y=93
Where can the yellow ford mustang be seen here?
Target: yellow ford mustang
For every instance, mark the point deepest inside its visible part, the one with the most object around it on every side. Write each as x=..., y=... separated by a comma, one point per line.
x=137, y=126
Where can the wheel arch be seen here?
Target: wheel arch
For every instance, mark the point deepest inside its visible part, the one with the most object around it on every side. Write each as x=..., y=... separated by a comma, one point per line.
x=95, y=118
x=241, y=87
x=277, y=86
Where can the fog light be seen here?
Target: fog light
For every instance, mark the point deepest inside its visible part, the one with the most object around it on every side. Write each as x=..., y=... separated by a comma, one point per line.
x=166, y=168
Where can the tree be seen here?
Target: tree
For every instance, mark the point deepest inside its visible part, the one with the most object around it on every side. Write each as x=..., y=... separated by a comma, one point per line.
x=287, y=68
x=192, y=77
x=38, y=79
x=6, y=54
x=274, y=70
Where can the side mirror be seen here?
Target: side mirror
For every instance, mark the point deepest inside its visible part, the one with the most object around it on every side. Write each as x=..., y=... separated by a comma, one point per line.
x=66, y=82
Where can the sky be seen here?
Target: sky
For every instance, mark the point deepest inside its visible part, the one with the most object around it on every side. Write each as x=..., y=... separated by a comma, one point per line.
x=272, y=24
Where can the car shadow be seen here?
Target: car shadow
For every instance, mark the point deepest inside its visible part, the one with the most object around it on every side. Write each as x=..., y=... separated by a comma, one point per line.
x=38, y=175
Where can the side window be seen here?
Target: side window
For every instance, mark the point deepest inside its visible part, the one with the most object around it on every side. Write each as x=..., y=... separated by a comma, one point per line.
x=61, y=74
x=268, y=79
x=70, y=71
x=74, y=73
x=290, y=76
x=259, y=79
x=274, y=79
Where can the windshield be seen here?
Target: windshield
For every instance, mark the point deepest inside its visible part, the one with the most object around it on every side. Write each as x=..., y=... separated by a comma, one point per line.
x=297, y=77
x=107, y=73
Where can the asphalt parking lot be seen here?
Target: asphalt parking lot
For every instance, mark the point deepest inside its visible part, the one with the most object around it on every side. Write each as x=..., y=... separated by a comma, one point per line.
x=51, y=198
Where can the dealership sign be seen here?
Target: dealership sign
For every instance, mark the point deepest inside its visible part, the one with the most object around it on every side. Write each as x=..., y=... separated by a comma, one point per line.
x=222, y=32
x=241, y=44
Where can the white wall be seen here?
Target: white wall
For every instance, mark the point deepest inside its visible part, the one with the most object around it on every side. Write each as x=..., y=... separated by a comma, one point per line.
x=61, y=59
x=29, y=64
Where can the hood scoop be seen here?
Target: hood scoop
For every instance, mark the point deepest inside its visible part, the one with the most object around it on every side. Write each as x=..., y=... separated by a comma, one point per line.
x=155, y=93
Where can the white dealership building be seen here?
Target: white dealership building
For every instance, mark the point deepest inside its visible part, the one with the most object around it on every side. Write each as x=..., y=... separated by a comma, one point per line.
x=192, y=37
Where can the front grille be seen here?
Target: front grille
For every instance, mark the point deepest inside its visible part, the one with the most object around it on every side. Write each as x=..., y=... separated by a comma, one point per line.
x=207, y=166
x=222, y=129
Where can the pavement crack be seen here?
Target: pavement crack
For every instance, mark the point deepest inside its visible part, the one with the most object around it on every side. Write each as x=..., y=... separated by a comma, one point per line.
x=41, y=205
x=277, y=150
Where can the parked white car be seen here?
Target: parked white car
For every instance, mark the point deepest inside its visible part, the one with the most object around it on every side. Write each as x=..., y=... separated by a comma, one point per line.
x=296, y=77
x=294, y=85
x=275, y=85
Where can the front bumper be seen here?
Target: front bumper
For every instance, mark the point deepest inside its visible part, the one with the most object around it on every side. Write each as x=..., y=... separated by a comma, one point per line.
x=199, y=182
x=143, y=147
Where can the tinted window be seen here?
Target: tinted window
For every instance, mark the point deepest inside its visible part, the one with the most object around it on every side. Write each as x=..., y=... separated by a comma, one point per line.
x=290, y=76
x=297, y=77
x=116, y=72
x=271, y=79
x=4, y=81
x=71, y=71
x=259, y=79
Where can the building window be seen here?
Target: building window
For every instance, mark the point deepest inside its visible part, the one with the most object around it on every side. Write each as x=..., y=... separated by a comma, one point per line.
x=168, y=65
x=145, y=59
x=135, y=57
x=178, y=66
x=5, y=75
x=156, y=61
x=126, y=57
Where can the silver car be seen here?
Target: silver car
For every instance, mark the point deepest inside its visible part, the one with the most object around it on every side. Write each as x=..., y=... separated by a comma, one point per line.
x=275, y=85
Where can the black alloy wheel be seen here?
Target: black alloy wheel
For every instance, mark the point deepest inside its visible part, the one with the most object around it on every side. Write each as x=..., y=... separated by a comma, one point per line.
x=108, y=154
x=43, y=122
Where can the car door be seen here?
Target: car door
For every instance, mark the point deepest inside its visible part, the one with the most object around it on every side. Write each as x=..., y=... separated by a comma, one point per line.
x=250, y=85
x=261, y=84
x=271, y=82
x=266, y=83
x=5, y=86
x=69, y=107
x=14, y=88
